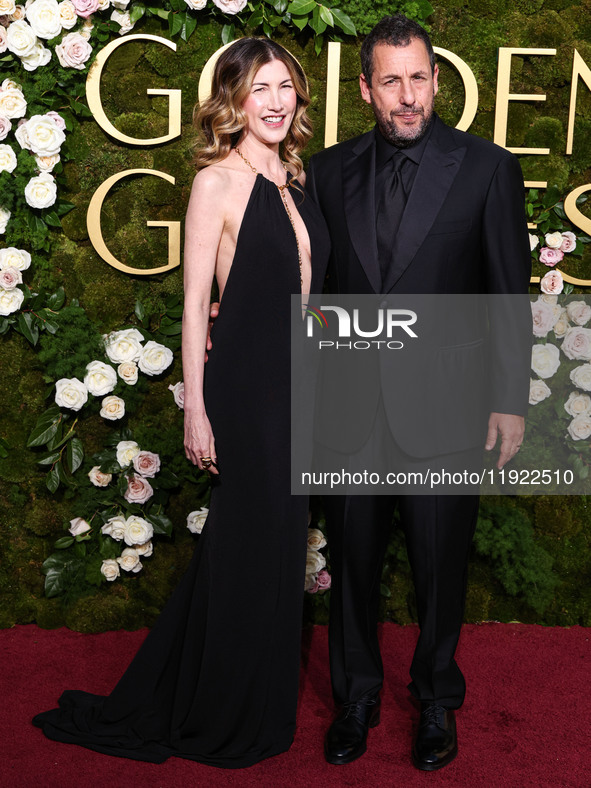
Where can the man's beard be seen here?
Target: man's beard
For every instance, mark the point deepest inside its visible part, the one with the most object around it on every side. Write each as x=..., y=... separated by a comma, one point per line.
x=391, y=132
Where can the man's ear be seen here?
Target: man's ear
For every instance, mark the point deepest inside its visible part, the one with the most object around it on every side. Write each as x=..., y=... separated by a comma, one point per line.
x=435, y=83
x=365, y=89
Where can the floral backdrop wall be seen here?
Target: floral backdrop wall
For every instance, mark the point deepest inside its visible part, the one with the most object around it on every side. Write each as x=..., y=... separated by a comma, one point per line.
x=99, y=509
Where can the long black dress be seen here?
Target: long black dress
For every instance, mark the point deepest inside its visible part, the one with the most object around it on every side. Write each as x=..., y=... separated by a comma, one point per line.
x=216, y=679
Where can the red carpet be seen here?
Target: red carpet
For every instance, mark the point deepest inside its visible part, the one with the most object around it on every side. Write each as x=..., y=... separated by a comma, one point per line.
x=526, y=720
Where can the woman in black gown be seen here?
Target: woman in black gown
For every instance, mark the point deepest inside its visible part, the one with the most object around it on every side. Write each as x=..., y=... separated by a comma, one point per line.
x=216, y=679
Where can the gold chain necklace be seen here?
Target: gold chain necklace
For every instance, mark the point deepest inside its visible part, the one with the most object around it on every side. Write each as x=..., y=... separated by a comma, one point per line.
x=284, y=200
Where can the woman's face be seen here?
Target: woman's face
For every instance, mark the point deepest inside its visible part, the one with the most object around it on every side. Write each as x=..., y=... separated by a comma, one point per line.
x=271, y=103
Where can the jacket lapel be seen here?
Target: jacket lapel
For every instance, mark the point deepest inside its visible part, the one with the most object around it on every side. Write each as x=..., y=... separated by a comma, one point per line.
x=439, y=166
x=359, y=202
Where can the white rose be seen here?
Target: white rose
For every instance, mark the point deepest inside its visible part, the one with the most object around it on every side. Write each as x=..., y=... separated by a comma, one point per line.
x=11, y=257
x=44, y=18
x=561, y=325
x=543, y=318
x=154, y=358
x=40, y=56
x=147, y=463
x=315, y=561
x=21, y=40
x=553, y=240
x=139, y=490
x=42, y=135
x=310, y=581
x=78, y=526
x=12, y=100
x=73, y=51
x=196, y=520
x=86, y=29
x=533, y=241
x=112, y=408
x=41, y=191
x=178, y=392
x=120, y=4
x=316, y=540
x=126, y=451
x=10, y=301
x=47, y=163
x=145, y=549
x=196, y=5
x=68, y=15
x=8, y=160
x=580, y=427
x=98, y=478
x=569, y=242
x=581, y=377
x=5, y=124
x=21, y=135
x=104, y=5
x=70, y=393
x=552, y=283
x=548, y=299
x=137, y=530
x=577, y=343
x=129, y=560
x=7, y=7
x=100, y=378
x=230, y=6
x=538, y=391
x=115, y=527
x=125, y=345
x=124, y=20
x=128, y=372
x=578, y=312
x=3, y=42
x=110, y=569
x=4, y=219
x=10, y=278
x=577, y=404
x=545, y=360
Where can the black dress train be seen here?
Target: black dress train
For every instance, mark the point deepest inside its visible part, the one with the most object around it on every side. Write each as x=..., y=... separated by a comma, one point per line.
x=216, y=680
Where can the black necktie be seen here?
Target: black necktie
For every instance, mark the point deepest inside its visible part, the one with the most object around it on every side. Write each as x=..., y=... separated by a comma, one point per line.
x=391, y=205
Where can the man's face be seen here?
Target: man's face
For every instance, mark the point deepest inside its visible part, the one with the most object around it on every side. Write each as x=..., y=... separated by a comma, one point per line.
x=402, y=91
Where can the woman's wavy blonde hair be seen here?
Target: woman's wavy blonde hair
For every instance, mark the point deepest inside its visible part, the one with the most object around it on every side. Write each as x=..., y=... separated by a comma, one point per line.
x=220, y=119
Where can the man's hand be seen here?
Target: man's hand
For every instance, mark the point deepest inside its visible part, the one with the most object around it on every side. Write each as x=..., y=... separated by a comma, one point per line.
x=511, y=429
x=214, y=310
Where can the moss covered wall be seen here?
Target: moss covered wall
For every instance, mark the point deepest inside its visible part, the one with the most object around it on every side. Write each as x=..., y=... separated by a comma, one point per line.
x=31, y=519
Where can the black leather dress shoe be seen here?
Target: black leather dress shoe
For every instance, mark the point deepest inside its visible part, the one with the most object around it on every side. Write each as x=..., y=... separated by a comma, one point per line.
x=436, y=743
x=347, y=736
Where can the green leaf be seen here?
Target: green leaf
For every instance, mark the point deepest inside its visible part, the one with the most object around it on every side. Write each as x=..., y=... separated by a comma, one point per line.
x=49, y=459
x=65, y=541
x=27, y=325
x=175, y=23
x=162, y=524
x=228, y=33
x=326, y=15
x=54, y=583
x=317, y=24
x=385, y=591
x=161, y=12
x=46, y=427
x=75, y=454
x=344, y=22
x=256, y=18
x=178, y=5
x=318, y=43
x=302, y=6
x=56, y=300
x=188, y=27
x=52, y=480
x=300, y=21
x=64, y=207
x=137, y=12
x=280, y=5
x=53, y=219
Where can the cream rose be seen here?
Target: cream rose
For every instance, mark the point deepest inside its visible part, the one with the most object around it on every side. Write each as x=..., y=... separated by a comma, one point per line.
x=73, y=51
x=12, y=100
x=4, y=219
x=98, y=478
x=543, y=318
x=7, y=7
x=19, y=12
x=548, y=299
x=5, y=124
x=137, y=531
x=47, y=163
x=315, y=561
x=110, y=569
x=145, y=549
x=579, y=312
x=70, y=393
x=316, y=540
x=78, y=526
x=8, y=160
x=104, y=5
x=10, y=301
x=538, y=391
x=11, y=257
x=310, y=583
x=42, y=135
x=44, y=18
x=10, y=278
x=126, y=451
x=128, y=372
x=561, y=325
x=85, y=8
x=552, y=283
x=115, y=527
x=139, y=490
x=154, y=358
x=68, y=15
x=581, y=377
x=123, y=19
x=577, y=343
x=147, y=464
x=41, y=191
x=120, y=4
x=553, y=240
x=125, y=345
x=86, y=29
x=545, y=360
x=21, y=40
x=112, y=408
x=580, y=427
x=3, y=42
x=196, y=5
x=577, y=404
x=533, y=241
x=129, y=560
x=569, y=242
x=100, y=378
x=178, y=392
x=231, y=6
x=196, y=520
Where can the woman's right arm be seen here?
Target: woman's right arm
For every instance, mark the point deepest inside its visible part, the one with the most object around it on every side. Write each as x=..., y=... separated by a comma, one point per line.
x=204, y=226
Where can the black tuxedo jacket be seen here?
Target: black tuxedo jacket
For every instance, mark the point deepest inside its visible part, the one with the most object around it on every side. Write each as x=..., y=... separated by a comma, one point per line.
x=463, y=231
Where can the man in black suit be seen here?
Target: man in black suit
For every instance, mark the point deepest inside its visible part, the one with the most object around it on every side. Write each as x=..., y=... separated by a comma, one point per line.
x=413, y=207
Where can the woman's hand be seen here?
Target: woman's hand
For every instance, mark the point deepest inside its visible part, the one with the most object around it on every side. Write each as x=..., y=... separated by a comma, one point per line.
x=199, y=442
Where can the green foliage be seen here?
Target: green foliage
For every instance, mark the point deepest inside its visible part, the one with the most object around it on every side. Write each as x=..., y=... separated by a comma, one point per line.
x=75, y=344
x=367, y=13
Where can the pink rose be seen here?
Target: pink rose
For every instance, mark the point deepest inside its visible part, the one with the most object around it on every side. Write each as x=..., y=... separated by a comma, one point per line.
x=10, y=278
x=57, y=119
x=543, y=318
x=147, y=464
x=5, y=125
x=552, y=283
x=85, y=8
x=78, y=526
x=550, y=256
x=579, y=312
x=577, y=343
x=323, y=580
x=73, y=51
x=569, y=241
x=139, y=490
